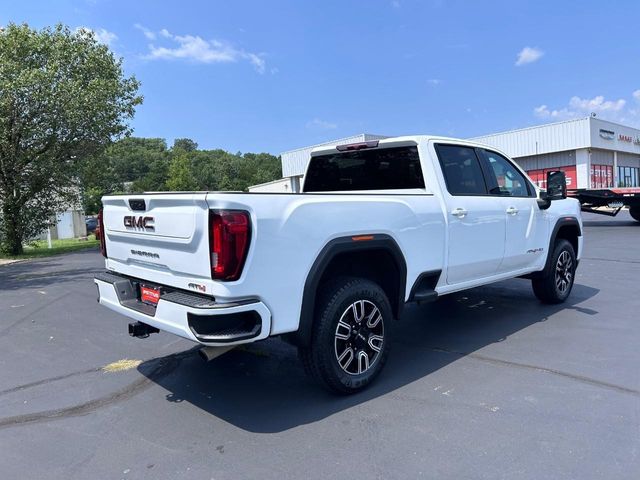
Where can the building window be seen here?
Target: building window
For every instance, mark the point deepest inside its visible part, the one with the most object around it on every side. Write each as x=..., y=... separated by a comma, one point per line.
x=601, y=176
x=628, y=177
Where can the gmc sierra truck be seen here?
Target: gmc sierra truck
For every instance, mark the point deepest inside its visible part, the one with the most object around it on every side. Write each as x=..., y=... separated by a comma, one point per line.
x=378, y=225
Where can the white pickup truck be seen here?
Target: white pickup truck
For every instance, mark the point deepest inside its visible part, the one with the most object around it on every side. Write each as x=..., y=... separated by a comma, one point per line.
x=378, y=225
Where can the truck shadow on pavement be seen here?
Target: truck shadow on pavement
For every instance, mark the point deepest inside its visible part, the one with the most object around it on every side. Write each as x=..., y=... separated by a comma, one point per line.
x=262, y=388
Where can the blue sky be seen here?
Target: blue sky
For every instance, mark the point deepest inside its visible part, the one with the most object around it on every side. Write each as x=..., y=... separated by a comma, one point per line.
x=275, y=75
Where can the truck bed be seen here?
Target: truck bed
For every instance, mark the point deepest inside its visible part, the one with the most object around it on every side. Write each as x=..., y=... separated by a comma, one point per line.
x=288, y=231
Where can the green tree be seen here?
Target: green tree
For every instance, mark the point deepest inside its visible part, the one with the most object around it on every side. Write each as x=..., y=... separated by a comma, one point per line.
x=221, y=170
x=261, y=168
x=133, y=157
x=129, y=165
x=180, y=177
x=185, y=144
x=144, y=164
x=63, y=98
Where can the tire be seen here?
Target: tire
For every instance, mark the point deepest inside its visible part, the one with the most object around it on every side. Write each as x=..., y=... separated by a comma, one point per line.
x=634, y=211
x=555, y=285
x=352, y=315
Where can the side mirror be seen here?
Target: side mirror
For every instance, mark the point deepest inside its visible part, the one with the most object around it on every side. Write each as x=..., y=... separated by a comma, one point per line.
x=556, y=189
x=556, y=185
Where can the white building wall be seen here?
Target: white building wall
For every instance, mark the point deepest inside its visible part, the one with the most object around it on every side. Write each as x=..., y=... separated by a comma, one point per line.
x=68, y=224
x=71, y=224
x=628, y=160
x=553, y=137
x=601, y=157
x=284, y=185
x=547, y=160
x=624, y=139
x=583, y=168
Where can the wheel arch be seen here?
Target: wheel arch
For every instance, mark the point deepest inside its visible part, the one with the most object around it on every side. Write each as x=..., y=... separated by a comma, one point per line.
x=567, y=228
x=376, y=257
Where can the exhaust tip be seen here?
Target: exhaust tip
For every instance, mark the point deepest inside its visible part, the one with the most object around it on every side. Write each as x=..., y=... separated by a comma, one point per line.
x=203, y=355
x=209, y=353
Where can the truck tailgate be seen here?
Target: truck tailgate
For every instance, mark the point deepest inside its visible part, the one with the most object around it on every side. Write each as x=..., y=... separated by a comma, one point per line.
x=159, y=237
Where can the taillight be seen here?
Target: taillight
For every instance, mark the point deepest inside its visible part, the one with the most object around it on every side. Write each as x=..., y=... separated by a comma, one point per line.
x=103, y=241
x=229, y=236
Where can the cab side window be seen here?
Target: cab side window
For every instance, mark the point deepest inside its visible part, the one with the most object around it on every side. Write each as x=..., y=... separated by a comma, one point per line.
x=462, y=171
x=510, y=182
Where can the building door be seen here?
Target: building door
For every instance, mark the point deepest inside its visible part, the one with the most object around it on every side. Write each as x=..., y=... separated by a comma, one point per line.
x=65, y=225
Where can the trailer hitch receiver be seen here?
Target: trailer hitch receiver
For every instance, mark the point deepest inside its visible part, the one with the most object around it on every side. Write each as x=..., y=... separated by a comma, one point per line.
x=141, y=330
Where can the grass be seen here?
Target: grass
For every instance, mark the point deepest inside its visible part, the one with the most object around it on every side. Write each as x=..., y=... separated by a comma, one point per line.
x=39, y=248
x=121, y=365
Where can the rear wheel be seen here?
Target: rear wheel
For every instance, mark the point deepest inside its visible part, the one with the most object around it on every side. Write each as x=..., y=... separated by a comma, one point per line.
x=556, y=283
x=350, y=338
x=634, y=211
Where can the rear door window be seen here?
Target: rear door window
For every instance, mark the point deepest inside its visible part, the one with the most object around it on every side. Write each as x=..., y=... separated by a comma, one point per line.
x=392, y=168
x=461, y=169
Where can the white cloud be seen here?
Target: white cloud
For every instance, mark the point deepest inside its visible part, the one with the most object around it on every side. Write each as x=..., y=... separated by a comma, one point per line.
x=196, y=49
x=615, y=110
x=104, y=36
x=101, y=35
x=146, y=32
x=528, y=55
x=317, y=124
x=434, y=81
x=258, y=63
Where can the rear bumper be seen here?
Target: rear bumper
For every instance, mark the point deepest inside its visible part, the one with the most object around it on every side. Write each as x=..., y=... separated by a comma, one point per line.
x=195, y=317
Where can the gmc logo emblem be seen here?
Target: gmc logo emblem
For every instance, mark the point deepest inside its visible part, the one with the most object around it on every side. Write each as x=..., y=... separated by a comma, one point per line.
x=146, y=223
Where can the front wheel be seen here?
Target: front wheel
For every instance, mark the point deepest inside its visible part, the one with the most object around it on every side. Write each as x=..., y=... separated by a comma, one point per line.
x=634, y=211
x=350, y=338
x=555, y=285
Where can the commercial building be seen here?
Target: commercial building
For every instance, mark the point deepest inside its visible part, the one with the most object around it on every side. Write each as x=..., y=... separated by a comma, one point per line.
x=282, y=185
x=594, y=153
x=67, y=224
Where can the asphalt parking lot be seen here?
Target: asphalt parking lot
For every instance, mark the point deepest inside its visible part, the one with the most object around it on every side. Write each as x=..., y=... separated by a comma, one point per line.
x=484, y=384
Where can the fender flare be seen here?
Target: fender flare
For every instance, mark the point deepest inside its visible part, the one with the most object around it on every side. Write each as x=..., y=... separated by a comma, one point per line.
x=562, y=222
x=335, y=247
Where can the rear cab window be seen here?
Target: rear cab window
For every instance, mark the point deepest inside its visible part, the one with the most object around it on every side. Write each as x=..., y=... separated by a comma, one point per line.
x=462, y=170
x=391, y=168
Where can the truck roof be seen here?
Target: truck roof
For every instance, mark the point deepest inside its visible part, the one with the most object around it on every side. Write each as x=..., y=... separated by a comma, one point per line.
x=405, y=139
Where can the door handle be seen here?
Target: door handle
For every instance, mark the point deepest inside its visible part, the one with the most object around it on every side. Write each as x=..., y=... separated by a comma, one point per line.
x=459, y=212
x=512, y=210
